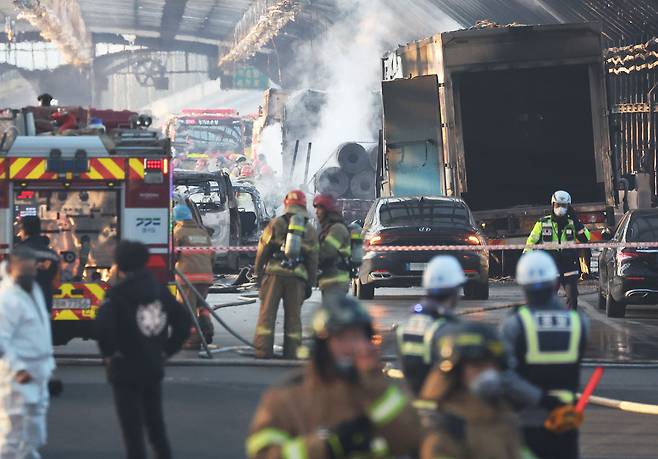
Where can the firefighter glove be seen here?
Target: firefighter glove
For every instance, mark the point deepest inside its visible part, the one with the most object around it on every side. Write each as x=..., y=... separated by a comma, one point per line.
x=563, y=419
x=349, y=437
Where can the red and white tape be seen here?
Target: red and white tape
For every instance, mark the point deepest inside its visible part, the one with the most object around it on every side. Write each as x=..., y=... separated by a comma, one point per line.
x=454, y=248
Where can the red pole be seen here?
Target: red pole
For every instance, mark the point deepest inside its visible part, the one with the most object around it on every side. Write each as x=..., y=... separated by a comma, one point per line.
x=589, y=389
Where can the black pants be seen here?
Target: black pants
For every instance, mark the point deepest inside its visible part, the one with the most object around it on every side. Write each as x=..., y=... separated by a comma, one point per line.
x=549, y=445
x=570, y=285
x=139, y=406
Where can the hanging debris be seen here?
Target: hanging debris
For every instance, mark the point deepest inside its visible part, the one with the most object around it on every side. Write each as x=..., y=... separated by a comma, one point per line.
x=60, y=22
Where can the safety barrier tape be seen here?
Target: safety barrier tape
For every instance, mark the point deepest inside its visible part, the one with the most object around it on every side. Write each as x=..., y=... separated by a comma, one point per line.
x=455, y=248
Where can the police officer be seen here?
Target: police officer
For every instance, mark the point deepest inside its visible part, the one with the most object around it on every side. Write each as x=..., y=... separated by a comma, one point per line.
x=463, y=406
x=548, y=342
x=286, y=268
x=442, y=280
x=335, y=248
x=342, y=405
x=562, y=226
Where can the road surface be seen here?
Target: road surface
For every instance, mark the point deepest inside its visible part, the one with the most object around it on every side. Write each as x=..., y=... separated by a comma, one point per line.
x=209, y=407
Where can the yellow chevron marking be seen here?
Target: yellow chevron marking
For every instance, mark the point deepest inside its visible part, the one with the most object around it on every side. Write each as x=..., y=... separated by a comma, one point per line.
x=17, y=165
x=113, y=168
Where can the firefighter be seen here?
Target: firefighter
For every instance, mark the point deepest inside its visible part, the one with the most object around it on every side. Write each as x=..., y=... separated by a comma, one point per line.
x=285, y=268
x=335, y=248
x=341, y=405
x=442, y=281
x=463, y=408
x=562, y=226
x=547, y=341
x=196, y=266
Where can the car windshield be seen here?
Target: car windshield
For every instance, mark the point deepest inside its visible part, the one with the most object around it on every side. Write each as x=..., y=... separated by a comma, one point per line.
x=643, y=228
x=434, y=212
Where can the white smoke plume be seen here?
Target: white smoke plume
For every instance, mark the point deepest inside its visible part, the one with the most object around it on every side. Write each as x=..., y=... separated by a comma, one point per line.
x=271, y=140
x=346, y=62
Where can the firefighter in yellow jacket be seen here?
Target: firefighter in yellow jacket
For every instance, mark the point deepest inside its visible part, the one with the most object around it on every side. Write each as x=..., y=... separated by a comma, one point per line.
x=462, y=402
x=335, y=249
x=341, y=405
x=196, y=266
x=286, y=269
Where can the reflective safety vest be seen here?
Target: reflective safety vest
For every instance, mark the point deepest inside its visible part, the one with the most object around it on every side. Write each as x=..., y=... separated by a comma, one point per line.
x=546, y=231
x=415, y=347
x=551, y=351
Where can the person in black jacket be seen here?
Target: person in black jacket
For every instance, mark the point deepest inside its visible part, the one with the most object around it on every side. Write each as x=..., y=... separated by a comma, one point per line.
x=139, y=325
x=29, y=233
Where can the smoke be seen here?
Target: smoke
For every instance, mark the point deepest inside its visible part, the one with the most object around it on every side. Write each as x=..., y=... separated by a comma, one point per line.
x=346, y=63
x=270, y=145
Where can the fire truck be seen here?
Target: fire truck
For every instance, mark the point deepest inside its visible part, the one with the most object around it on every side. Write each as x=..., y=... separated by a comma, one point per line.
x=202, y=134
x=90, y=191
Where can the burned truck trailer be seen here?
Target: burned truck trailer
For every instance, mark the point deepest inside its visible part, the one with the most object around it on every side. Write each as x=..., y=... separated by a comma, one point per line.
x=501, y=117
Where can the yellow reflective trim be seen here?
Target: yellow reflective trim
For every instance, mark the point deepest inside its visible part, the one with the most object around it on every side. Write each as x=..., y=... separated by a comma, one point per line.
x=388, y=406
x=379, y=447
x=468, y=339
x=534, y=355
x=65, y=314
x=527, y=454
x=137, y=165
x=292, y=227
x=356, y=236
x=16, y=166
x=113, y=168
x=332, y=241
x=421, y=404
x=93, y=174
x=37, y=171
x=260, y=330
x=264, y=438
x=172, y=289
x=565, y=396
x=340, y=278
x=295, y=449
x=412, y=349
x=97, y=291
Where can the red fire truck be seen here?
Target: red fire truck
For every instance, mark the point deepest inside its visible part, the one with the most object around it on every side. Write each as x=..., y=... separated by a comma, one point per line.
x=90, y=192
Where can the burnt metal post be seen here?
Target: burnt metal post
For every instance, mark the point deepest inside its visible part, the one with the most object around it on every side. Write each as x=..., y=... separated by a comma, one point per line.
x=294, y=159
x=308, y=162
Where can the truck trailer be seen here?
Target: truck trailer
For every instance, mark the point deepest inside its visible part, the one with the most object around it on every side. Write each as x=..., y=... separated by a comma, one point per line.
x=501, y=117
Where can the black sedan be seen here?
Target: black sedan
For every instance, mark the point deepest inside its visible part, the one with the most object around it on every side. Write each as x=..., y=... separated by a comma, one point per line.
x=423, y=221
x=630, y=275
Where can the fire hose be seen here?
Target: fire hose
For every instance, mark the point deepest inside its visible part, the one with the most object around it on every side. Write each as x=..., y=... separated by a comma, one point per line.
x=210, y=309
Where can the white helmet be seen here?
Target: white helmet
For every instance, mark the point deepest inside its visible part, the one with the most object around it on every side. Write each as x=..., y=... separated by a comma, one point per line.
x=443, y=273
x=561, y=197
x=536, y=268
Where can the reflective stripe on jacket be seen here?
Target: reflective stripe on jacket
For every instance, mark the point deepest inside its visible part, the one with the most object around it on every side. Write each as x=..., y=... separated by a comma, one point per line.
x=335, y=250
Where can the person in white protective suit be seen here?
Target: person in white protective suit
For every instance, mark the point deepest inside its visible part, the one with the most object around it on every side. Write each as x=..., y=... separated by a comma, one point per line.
x=26, y=358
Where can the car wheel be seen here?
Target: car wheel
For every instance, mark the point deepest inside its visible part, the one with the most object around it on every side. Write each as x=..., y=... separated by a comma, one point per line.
x=364, y=291
x=476, y=291
x=614, y=309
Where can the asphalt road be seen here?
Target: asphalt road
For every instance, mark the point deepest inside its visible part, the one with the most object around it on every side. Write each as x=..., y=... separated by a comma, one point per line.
x=209, y=408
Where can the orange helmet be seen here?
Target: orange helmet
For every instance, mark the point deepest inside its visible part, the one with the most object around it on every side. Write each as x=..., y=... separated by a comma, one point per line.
x=327, y=201
x=295, y=198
